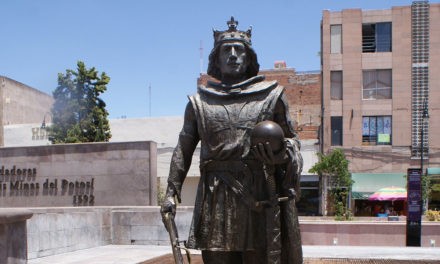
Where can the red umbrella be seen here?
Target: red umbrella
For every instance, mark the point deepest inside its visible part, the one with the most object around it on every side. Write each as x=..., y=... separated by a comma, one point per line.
x=389, y=194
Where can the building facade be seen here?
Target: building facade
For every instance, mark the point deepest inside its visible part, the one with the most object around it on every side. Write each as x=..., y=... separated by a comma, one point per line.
x=303, y=92
x=22, y=104
x=380, y=79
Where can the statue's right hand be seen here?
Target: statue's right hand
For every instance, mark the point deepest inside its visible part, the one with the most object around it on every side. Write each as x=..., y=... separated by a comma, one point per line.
x=168, y=205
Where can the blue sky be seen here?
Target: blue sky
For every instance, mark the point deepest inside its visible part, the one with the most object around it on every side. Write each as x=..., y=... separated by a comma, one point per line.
x=142, y=43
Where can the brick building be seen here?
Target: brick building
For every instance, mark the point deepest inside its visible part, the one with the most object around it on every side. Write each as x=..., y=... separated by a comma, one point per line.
x=380, y=71
x=303, y=91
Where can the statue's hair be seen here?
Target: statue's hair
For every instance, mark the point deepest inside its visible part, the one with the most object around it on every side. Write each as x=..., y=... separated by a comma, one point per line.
x=251, y=71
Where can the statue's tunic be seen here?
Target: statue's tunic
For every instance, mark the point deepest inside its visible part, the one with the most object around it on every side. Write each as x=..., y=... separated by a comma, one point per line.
x=222, y=118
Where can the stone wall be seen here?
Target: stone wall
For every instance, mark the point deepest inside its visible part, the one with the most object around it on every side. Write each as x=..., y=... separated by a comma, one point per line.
x=13, y=247
x=144, y=226
x=64, y=229
x=96, y=174
x=364, y=233
x=59, y=230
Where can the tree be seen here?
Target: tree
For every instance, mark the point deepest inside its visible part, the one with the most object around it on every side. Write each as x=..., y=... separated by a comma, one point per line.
x=335, y=166
x=78, y=114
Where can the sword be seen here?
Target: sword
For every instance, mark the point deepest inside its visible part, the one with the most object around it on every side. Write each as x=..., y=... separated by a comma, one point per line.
x=170, y=224
x=273, y=221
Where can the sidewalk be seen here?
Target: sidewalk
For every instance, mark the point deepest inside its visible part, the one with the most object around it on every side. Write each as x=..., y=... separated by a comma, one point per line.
x=110, y=254
x=133, y=254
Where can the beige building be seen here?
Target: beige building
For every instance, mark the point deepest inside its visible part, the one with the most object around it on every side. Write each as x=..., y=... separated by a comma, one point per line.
x=22, y=104
x=380, y=70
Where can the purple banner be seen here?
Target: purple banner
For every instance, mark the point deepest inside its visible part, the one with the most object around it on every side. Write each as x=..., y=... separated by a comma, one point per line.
x=414, y=195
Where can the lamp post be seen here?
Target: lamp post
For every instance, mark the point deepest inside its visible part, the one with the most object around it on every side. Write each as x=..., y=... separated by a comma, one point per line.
x=425, y=117
x=414, y=197
x=43, y=124
x=43, y=133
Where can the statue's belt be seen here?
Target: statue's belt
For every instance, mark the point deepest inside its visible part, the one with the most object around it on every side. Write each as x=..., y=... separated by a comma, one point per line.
x=236, y=186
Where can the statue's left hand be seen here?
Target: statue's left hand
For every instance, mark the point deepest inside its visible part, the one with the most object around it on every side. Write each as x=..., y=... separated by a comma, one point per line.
x=264, y=153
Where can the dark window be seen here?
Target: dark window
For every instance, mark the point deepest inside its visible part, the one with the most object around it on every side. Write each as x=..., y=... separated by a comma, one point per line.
x=376, y=130
x=336, y=85
x=377, y=84
x=308, y=203
x=434, y=201
x=376, y=37
x=336, y=128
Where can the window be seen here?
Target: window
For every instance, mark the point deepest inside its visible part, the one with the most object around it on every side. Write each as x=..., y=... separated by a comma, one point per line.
x=376, y=130
x=377, y=84
x=336, y=39
x=376, y=37
x=336, y=85
x=336, y=128
x=308, y=203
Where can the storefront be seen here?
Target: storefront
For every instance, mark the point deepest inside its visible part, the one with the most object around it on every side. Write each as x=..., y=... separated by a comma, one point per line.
x=309, y=199
x=365, y=184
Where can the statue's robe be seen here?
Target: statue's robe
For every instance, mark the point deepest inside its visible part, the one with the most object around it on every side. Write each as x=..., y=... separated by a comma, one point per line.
x=232, y=179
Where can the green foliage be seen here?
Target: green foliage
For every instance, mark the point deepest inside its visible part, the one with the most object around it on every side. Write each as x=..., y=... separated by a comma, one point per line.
x=433, y=215
x=342, y=213
x=79, y=114
x=335, y=166
x=161, y=194
x=435, y=187
x=427, y=188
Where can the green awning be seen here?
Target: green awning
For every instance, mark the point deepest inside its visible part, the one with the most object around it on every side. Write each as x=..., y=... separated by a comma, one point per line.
x=433, y=171
x=360, y=195
x=434, y=176
x=366, y=184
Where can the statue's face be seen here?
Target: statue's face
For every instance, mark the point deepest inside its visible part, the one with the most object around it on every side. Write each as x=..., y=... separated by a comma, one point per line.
x=232, y=60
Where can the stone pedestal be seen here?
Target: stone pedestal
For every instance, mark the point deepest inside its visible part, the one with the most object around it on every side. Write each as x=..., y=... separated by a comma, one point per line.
x=13, y=238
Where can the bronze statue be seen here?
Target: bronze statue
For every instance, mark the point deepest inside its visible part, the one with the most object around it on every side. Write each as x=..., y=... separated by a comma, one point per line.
x=245, y=206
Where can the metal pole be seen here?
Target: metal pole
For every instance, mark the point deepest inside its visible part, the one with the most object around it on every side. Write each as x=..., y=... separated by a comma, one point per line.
x=422, y=150
x=149, y=99
x=421, y=145
x=425, y=117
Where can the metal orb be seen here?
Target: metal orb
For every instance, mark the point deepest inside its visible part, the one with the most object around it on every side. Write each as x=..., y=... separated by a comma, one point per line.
x=268, y=131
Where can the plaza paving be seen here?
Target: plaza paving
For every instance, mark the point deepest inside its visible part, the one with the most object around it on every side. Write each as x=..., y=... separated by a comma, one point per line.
x=134, y=254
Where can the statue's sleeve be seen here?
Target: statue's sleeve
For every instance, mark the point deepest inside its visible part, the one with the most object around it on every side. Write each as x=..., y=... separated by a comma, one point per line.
x=293, y=167
x=182, y=155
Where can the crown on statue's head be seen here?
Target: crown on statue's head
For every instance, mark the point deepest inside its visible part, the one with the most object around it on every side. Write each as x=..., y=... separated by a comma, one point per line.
x=232, y=34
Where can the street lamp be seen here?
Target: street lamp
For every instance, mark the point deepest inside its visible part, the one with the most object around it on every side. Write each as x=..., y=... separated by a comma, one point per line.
x=43, y=124
x=425, y=117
